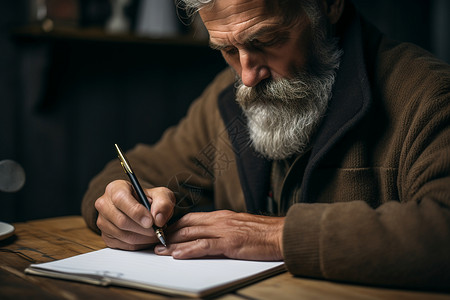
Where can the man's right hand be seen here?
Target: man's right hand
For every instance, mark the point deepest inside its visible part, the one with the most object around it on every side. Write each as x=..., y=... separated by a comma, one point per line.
x=124, y=222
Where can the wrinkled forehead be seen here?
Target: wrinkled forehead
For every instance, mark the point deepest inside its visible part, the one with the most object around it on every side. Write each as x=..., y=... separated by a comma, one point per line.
x=232, y=9
x=238, y=16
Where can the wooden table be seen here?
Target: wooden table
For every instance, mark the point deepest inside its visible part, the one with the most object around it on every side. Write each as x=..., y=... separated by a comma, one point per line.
x=50, y=239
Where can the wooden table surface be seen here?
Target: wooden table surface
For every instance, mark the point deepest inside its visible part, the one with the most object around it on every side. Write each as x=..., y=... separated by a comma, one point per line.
x=56, y=238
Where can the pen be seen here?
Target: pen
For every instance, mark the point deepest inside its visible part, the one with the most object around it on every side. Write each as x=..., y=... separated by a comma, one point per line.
x=139, y=191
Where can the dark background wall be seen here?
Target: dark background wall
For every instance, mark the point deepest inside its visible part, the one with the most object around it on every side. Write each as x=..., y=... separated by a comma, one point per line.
x=65, y=102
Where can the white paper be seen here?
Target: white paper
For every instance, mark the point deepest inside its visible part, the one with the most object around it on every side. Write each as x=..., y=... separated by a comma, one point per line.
x=145, y=267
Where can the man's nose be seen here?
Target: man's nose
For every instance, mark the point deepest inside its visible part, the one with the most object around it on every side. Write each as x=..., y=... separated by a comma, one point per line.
x=253, y=68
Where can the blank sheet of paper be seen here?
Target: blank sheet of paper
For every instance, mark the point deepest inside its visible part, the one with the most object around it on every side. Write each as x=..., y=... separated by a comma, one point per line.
x=147, y=268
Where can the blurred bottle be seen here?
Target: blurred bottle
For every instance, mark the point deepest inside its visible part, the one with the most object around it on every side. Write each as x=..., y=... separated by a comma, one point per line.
x=118, y=21
x=37, y=10
x=157, y=18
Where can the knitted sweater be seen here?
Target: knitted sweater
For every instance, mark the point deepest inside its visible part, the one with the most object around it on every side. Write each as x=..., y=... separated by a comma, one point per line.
x=369, y=204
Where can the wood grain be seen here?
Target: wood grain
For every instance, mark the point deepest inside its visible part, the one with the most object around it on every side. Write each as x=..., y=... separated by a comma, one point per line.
x=57, y=238
x=47, y=240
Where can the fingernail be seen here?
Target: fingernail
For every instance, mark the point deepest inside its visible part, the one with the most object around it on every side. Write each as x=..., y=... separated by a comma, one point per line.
x=146, y=222
x=160, y=219
x=160, y=249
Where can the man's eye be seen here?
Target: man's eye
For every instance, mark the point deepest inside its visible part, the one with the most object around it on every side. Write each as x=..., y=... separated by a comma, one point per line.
x=258, y=44
x=230, y=51
x=268, y=43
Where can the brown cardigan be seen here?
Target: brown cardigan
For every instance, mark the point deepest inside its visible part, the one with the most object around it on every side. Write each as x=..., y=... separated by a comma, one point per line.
x=370, y=204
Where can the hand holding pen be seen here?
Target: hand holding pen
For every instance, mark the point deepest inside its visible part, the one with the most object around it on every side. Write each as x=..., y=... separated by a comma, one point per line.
x=139, y=191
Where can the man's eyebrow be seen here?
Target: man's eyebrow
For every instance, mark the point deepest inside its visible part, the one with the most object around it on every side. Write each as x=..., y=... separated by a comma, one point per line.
x=269, y=30
x=215, y=46
x=255, y=35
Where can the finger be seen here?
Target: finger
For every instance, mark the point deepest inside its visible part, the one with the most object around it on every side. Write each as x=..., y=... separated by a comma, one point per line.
x=122, y=198
x=118, y=244
x=193, y=249
x=127, y=237
x=108, y=211
x=191, y=233
x=163, y=202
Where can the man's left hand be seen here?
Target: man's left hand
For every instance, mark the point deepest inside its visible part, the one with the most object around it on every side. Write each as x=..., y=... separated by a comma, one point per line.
x=225, y=233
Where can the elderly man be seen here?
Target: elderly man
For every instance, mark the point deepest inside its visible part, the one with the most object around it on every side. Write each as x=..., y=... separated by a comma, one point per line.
x=325, y=145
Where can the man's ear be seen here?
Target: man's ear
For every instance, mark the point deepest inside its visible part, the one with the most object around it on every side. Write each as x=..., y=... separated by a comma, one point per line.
x=333, y=10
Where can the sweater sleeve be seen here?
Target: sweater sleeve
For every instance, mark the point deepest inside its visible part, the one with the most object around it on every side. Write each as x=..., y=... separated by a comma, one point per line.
x=402, y=242
x=172, y=161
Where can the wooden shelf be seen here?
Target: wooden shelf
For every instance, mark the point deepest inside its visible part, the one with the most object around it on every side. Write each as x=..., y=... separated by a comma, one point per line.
x=73, y=34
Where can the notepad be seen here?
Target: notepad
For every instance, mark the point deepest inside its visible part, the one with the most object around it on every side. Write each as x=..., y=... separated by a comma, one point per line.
x=163, y=274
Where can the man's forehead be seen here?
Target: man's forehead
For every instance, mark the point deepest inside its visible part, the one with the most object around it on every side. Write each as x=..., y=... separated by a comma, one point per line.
x=241, y=18
x=220, y=7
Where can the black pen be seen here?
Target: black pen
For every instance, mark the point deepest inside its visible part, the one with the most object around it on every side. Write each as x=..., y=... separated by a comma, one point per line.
x=139, y=191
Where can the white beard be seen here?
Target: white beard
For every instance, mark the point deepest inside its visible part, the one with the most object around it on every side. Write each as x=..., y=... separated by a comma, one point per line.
x=281, y=129
x=284, y=114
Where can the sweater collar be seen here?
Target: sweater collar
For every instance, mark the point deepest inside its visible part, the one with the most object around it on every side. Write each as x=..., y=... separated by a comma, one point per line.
x=351, y=96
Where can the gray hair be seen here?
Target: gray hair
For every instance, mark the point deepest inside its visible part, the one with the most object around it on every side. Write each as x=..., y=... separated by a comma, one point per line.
x=193, y=4
x=289, y=10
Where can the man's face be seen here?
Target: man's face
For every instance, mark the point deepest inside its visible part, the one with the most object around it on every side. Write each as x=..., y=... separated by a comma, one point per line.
x=254, y=43
x=285, y=72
